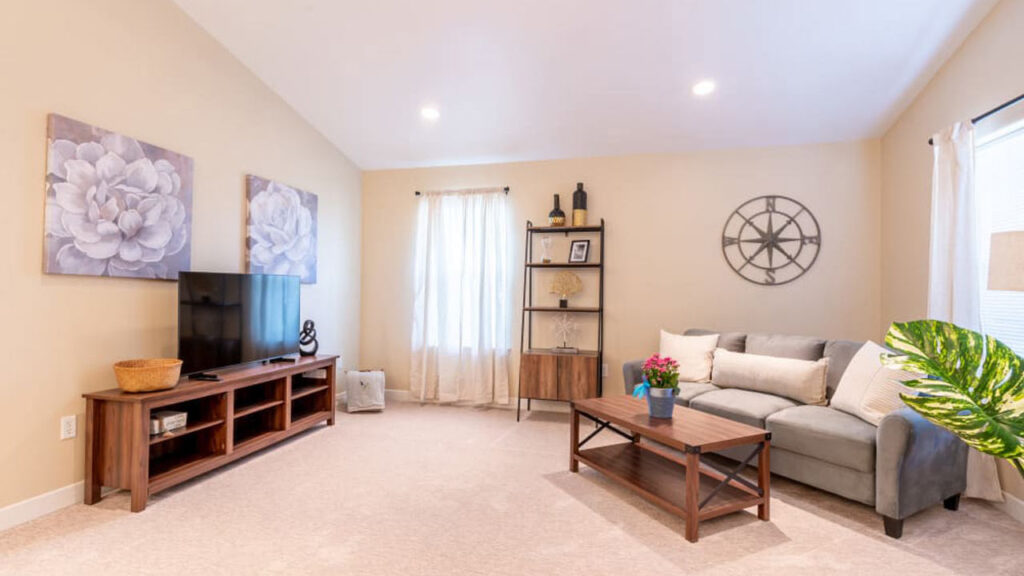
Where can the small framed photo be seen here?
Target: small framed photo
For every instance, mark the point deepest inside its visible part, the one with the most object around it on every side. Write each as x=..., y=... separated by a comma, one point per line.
x=580, y=251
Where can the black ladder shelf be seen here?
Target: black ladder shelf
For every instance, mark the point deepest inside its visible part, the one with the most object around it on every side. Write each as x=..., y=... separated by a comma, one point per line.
x=529, y=309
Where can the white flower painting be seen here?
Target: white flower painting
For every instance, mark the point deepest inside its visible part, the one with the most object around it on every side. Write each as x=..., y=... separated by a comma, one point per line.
x=281, y=229
x=115, y=206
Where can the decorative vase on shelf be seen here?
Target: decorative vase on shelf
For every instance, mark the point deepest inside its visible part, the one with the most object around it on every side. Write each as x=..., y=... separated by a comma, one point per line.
x=545, y=250
x=579, y=206
x=556, y=217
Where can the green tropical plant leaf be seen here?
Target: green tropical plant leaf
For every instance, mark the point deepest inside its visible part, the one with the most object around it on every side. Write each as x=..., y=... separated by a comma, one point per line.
x=974, y=384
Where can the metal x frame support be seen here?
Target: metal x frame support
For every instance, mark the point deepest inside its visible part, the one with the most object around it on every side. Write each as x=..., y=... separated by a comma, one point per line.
x=733, y=476
x=601, y=426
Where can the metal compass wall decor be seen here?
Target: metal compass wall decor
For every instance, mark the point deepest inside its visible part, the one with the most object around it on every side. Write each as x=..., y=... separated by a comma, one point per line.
x=771, y=240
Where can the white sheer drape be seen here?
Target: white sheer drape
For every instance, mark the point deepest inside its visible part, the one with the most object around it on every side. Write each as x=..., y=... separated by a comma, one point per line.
x=954, y=285
x=954, y=279
x=461, y=314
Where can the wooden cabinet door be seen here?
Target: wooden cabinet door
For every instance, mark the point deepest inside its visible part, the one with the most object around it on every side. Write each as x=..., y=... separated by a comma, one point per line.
x=577, y=377
x=538, y=376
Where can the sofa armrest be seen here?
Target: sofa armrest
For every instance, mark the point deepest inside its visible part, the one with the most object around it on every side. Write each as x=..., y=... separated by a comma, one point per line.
x=632, y=374
x=917, y=464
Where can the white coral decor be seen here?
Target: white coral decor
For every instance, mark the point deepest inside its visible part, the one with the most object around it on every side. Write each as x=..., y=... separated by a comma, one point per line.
x=113, y=210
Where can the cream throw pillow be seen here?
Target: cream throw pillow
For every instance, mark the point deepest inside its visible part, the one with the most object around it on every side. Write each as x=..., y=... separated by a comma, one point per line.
x=869, y=390
x=693, y=353
x=800, y=380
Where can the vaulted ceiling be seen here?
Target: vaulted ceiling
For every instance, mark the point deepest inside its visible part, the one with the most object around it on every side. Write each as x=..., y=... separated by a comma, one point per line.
x=542, y=79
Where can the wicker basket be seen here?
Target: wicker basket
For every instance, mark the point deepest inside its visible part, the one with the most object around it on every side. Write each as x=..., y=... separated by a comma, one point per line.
x=148, y=374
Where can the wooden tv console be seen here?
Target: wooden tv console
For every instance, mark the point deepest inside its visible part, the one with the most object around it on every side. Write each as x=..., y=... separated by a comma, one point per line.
x=251, y=407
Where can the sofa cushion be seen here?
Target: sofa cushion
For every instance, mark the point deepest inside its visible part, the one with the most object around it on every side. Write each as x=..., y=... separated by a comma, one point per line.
x=799, y=347
x=741, y=405
x=731, y=341
x=690, y=390
x=693, y=354
x=869, y=390
x=800, y=380
x=839, y=354
x=826, y=434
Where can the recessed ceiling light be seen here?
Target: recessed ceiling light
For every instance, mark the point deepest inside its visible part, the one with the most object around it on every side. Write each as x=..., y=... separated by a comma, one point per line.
x=430, y=113
x=704, y=87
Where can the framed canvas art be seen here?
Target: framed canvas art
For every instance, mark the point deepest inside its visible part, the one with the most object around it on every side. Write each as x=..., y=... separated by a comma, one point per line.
x=115, y=206
x=280, y=229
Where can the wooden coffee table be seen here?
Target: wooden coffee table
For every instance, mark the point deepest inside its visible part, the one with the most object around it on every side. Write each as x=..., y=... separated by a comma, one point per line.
x=682, y=484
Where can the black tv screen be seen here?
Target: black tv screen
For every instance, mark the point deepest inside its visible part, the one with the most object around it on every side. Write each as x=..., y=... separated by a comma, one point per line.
x=227, y=319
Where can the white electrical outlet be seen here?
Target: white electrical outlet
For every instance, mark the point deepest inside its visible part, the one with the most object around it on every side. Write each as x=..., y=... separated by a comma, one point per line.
x=604, y=370
x=68, y=427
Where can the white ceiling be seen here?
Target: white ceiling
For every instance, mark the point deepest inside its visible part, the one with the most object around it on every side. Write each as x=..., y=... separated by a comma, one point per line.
x=541, y=79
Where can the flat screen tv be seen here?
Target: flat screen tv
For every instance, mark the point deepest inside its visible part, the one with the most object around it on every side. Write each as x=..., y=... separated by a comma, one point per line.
x=228, y=319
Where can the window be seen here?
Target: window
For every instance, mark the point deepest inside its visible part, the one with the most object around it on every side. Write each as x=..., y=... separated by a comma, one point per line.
x=999, y=185
x=462, y=303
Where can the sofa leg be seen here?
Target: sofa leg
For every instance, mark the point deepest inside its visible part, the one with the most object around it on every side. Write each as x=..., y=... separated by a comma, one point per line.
x=951, y=503
x=893, y=527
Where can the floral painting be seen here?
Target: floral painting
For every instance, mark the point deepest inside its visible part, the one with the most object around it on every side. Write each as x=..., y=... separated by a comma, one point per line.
x=115, y=206
x=281, y=229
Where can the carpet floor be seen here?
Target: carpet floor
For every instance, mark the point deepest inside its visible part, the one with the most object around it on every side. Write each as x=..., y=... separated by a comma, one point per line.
x=445, y=490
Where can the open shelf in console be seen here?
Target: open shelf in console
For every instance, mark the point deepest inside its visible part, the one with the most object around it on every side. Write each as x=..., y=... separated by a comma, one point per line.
x=303, y=385
x=309, y=396
x=311, y=404
x=177, y=454
x=202, y=413
x=259, y=397
x=256, y=425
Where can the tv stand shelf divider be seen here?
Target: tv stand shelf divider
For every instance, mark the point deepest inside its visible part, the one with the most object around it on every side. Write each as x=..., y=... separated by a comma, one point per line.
x=252, y=407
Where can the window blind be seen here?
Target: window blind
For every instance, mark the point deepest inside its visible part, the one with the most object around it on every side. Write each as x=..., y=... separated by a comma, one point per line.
x=999, y=184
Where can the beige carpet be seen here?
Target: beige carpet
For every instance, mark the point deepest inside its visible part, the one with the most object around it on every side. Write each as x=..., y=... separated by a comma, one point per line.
x=443, y=490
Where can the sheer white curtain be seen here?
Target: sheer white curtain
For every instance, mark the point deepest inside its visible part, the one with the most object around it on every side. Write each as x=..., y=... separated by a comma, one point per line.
x=461, y=315
x=954, y=279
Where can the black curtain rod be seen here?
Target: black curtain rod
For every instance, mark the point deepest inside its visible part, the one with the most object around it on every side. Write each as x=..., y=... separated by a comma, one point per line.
x=418, y=193
x=999, y=108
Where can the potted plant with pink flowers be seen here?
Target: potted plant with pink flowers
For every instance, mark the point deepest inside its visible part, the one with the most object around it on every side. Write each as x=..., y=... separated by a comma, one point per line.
x=660, y=385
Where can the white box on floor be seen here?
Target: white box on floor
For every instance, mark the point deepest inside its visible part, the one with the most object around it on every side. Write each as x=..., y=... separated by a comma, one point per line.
x=364, y=390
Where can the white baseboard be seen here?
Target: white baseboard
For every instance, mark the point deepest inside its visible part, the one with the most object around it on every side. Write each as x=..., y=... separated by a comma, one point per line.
x=538, y=405
x=41, y=505
x=398, y=395
x=1012, y=506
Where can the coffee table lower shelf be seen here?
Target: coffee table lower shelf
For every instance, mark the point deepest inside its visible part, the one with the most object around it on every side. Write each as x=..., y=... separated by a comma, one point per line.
x=663, y=481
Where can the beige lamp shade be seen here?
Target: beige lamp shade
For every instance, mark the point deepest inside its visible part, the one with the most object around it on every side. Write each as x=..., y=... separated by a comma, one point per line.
x=1006, y=262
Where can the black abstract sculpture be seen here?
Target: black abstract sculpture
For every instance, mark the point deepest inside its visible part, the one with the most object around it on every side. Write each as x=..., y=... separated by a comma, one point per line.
x=308, y=337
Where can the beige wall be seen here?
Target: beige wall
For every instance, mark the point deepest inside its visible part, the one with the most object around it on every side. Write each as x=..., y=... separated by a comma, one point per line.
x=664, y=262
x=983, y=73
x=143, y=69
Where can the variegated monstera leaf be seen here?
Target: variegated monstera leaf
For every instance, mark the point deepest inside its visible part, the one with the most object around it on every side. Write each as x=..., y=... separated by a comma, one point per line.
x=974, y=387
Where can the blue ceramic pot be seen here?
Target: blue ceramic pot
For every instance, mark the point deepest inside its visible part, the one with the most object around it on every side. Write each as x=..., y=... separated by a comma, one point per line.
x=661, y=402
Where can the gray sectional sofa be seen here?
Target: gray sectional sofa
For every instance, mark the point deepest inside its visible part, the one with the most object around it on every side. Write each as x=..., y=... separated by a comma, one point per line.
x=901, y=467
